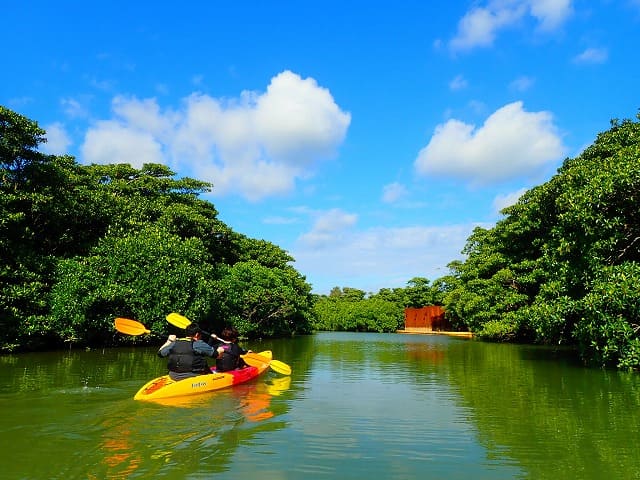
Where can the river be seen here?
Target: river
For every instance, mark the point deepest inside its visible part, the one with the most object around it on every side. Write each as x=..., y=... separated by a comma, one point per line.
x=357, y=405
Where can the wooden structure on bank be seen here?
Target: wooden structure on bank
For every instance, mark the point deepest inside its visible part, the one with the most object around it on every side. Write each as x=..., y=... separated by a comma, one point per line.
x=425, y=319
x=429, y=320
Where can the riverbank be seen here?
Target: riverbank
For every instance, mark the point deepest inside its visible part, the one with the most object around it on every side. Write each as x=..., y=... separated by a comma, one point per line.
x=426, y=331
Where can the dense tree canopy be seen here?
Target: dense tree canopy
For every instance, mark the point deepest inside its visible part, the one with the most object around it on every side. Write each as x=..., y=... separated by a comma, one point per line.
x=562, y=266
x=82, y=244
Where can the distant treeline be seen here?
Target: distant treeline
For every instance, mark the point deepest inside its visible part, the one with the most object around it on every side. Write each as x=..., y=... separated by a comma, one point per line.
x=354, y=310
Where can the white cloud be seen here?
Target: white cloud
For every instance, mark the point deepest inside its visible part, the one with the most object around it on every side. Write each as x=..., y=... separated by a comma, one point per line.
x=279, y=220
x=328, y=228
x=144, y=116
x=511, y=142
x=481, y=24
x=551, y=14
x=522, y=83
x=504, y=201
x=58, y=140
x=299, y=121
x=458, y=83
x=592, y=55
x=393, y=192
x=256, y=145
x=74, y=108
x=112, y=142
x=380, y=257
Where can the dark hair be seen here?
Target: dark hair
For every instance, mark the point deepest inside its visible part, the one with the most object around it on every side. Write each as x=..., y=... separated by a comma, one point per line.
x=230, y=334
x=192, y=329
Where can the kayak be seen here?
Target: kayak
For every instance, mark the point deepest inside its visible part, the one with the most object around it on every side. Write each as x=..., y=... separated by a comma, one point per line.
x=164, y=387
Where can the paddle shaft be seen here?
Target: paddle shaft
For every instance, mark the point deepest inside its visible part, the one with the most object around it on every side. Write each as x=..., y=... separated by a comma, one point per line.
x=181, y=321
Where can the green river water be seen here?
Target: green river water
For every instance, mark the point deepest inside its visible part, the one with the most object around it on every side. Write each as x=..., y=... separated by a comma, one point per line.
x=357, y=406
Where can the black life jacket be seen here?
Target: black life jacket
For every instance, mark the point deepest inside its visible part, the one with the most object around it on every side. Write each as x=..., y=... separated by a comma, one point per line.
x=229, y=359
x=183, y=359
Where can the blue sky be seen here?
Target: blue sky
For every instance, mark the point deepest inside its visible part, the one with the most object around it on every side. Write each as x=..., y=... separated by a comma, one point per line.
x=367, y=139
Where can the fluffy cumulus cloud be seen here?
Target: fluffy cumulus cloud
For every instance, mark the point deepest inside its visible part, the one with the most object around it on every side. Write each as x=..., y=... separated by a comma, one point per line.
x=115, y=142
x=480, y=25
x=511, y=142
x=255, y=145
x=58, y=139
x=329, y=227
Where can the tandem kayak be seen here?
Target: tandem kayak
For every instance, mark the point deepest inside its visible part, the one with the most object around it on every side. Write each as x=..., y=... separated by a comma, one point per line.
x=164, y=387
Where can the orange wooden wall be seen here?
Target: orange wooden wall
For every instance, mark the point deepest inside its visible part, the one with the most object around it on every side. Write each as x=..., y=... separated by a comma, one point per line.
x=430, y=318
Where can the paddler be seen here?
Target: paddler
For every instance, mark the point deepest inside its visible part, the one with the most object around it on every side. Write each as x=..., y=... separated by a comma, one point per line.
x=188, y=356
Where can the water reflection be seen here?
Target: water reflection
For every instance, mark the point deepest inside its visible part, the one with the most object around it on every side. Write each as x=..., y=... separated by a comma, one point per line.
x=356, y=406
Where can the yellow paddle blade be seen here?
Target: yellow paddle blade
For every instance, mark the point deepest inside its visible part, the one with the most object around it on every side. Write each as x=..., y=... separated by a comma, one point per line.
x=280, y=367
x=257, y=357
x=130, y=327
x=178, y=320
x=254, y=359
x=252, y=362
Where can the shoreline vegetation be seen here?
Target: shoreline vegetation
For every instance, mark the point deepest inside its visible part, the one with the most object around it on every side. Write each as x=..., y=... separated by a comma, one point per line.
x=83, y=244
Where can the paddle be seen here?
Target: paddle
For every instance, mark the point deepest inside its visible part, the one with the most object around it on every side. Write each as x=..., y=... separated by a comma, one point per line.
x=276, y=365
x=181, y=321
x=130, y=327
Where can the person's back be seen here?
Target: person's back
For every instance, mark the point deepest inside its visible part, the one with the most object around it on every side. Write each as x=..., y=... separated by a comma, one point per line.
x=187, y=356
x=230, y=358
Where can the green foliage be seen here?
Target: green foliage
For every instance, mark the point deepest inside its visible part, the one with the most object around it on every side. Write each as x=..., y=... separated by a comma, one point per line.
x=261, y=251
x=418, y=293
x=263, y=301
x=560, y=267
x=348, y=294
x=84, y=244
x=349, y=310
x=609, y=317
x=141, y=276
x=498, y=331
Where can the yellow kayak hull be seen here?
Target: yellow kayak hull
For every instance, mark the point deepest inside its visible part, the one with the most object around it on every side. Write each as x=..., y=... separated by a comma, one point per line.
x=164, y=387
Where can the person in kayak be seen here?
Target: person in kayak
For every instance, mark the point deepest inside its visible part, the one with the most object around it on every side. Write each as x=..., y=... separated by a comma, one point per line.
x=188, y=356
x=229, y=358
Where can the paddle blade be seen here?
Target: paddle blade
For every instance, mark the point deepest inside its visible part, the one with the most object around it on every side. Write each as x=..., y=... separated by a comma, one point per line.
x=255, y=359
x=253, y=362
x=130, y=327
x=280, y=367
x=276, y=365
x=178, y=320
